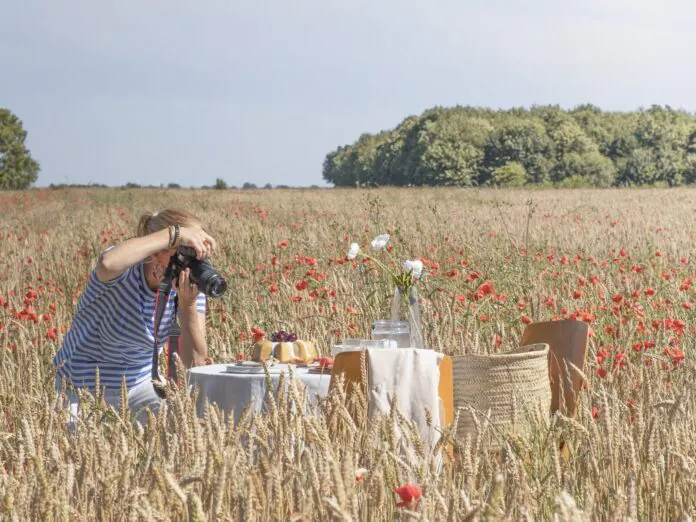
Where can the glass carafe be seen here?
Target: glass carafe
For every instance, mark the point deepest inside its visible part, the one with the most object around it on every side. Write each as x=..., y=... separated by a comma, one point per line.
x=398, y=331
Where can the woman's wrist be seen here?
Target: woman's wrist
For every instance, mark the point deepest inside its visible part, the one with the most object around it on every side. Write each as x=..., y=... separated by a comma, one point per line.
x=160, y=240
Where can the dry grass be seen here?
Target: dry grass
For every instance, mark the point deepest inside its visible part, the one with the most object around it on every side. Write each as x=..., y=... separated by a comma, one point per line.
x=631, y=455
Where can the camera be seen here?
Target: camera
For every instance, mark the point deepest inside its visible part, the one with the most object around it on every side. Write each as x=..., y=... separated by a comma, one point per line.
x=208, y=280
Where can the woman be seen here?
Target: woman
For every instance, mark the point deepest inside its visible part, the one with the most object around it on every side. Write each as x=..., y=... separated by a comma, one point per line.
x=113, y=326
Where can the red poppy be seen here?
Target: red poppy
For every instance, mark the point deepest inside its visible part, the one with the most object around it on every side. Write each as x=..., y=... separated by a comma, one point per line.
x=257, y=334
x=675, y=354
x=301, y=285
x=325, y=363
x=486, y=288
x=409, y=493
x=601, y=355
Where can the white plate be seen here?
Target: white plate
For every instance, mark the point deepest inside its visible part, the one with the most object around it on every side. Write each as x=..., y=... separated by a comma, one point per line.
x=275, y=369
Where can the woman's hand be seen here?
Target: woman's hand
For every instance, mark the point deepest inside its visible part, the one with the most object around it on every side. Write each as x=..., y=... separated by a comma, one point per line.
x=199, y=240
x=187, y=290
x=194, y=348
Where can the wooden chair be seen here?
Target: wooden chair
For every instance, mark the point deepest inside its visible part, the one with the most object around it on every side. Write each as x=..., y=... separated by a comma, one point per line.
x=567, y=342
x=349, y=364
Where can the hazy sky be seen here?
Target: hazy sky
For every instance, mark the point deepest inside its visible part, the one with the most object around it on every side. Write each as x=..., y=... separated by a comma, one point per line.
x=168, y=91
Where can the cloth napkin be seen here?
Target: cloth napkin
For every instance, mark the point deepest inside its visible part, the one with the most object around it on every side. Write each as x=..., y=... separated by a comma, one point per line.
x=413, y=374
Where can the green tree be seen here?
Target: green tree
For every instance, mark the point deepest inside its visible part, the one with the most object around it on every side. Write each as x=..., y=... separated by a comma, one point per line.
x=512, y=174
x=599, y=127
x=18, y=170
x=220, y=184
x=524, y=142
x=640, y=168
x=355, y=165
x=595, y=169
x=451, y=149
x=690, y=169
x=393, y=160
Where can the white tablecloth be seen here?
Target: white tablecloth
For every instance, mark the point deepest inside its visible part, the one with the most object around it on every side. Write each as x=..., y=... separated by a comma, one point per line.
x=233, y=391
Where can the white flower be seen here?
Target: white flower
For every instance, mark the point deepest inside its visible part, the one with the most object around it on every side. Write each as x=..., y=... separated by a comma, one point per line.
x=380, y=242
x=353, y=252
x=414, y=267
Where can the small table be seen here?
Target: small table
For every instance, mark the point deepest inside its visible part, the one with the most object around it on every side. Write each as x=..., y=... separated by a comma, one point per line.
x=232, y=392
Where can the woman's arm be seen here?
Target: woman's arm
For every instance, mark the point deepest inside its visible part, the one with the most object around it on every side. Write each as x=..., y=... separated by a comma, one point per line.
x=118, y=259
x=194, y=347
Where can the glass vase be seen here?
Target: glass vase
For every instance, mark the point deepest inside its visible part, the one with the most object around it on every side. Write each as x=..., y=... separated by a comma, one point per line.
x=405, y=307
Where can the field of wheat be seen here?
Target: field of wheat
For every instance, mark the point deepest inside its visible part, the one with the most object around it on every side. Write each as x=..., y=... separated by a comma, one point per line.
x=621, y=260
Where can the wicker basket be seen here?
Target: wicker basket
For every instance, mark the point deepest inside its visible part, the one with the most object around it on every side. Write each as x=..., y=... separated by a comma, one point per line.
x=507, y=391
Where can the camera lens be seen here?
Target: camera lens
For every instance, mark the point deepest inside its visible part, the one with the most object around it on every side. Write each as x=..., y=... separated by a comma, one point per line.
x=209, y=280
x=215, y=286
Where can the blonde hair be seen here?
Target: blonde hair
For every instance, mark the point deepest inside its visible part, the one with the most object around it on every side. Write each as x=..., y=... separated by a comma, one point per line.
x=155, y=221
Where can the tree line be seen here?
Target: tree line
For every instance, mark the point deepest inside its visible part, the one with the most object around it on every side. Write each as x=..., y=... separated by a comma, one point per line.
x=220, y=184
x=542, y=145
x=470, y=146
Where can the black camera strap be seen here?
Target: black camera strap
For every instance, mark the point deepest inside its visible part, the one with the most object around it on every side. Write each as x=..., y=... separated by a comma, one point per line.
x=164, y=289
x=173, y=342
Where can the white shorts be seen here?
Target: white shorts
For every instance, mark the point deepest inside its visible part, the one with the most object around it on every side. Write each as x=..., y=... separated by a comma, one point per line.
x=140, y=398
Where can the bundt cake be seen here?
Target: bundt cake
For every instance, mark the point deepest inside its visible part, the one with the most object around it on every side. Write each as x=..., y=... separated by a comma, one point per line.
x=285, y=348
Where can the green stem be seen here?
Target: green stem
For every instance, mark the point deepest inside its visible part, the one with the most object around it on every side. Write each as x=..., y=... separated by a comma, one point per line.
x=381, y=265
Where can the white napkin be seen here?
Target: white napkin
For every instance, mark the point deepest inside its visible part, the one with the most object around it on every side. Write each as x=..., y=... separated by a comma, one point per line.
x=414, y=375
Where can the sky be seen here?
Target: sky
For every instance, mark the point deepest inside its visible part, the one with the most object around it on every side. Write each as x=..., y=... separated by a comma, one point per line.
x=165, y=91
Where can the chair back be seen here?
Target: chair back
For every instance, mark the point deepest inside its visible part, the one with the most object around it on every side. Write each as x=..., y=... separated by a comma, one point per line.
x=567, y=342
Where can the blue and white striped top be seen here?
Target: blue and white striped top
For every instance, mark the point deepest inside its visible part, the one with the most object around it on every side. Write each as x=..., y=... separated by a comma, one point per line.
x=113, y=329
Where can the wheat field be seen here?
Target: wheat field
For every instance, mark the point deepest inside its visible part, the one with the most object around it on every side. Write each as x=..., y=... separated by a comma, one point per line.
x=622, y=260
